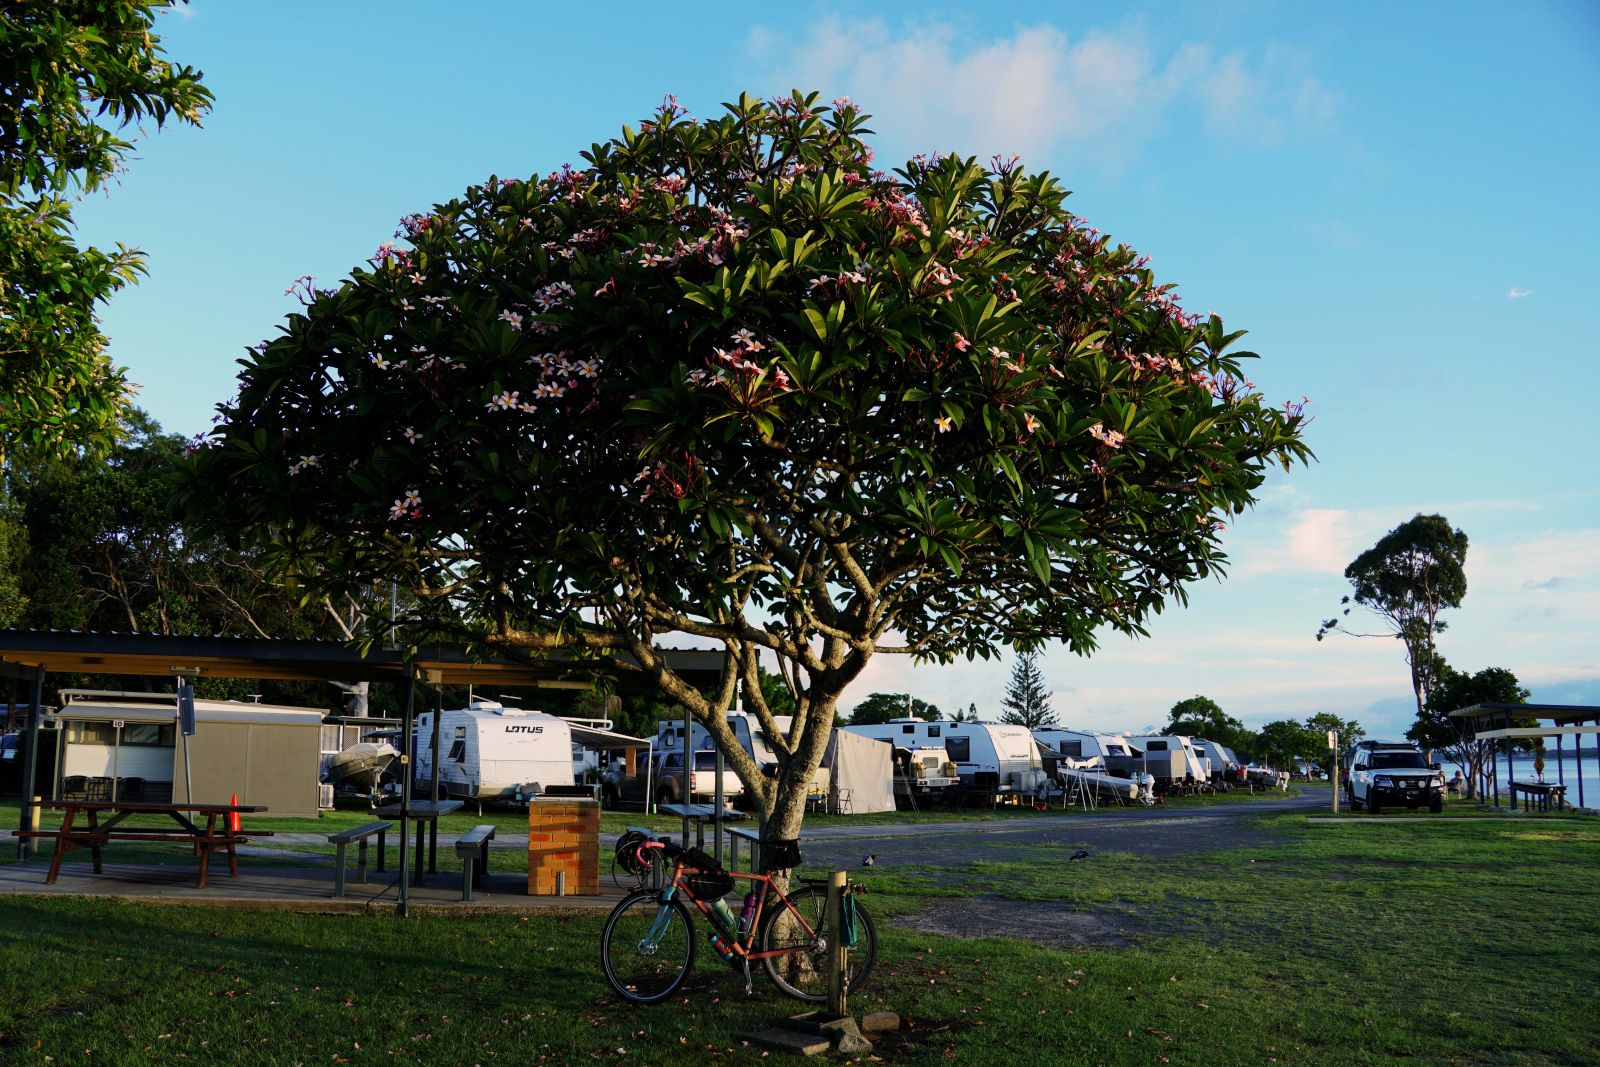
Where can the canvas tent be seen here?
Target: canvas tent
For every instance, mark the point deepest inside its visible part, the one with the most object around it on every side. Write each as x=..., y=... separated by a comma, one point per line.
x=861, y=774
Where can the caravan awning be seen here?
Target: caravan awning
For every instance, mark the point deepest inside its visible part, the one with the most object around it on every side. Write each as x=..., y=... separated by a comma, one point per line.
x=594, y=737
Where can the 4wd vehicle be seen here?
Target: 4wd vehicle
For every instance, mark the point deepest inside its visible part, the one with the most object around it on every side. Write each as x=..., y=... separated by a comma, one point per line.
x=667, y=781
x=1393, y=773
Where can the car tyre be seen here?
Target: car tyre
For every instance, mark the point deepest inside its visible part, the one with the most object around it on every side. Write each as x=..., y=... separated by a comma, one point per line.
x=1436, y=805
x=1372, y=805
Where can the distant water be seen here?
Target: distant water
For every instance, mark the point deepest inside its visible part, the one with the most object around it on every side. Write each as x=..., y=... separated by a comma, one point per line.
x=1566, y=770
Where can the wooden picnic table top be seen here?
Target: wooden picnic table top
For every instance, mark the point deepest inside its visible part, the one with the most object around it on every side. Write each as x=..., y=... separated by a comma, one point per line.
x=134, y=807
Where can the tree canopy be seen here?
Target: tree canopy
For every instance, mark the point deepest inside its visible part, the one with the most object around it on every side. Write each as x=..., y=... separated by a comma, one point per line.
x=1027, y=702
x=1200, y=716
x=1453, y=691
x=726, y=379
x=73, y=75
x=1414, y=572
x=882, y=707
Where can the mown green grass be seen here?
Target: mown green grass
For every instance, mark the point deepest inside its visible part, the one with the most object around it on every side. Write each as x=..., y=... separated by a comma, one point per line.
x=1470, y=943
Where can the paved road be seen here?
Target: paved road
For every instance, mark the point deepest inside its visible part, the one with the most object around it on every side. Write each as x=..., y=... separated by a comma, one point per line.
x=1152, y=831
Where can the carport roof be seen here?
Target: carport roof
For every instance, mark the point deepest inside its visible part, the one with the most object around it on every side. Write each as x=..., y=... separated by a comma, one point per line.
x=57, y=651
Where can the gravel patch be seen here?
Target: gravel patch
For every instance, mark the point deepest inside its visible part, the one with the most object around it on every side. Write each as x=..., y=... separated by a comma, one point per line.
x=1041, y=922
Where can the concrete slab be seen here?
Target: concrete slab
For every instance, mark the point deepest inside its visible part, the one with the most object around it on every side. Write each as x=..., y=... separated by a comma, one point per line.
x=290, y=889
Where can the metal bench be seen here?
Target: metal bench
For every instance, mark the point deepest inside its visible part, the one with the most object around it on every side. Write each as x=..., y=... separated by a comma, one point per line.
x=360, y=834
x=473, y=847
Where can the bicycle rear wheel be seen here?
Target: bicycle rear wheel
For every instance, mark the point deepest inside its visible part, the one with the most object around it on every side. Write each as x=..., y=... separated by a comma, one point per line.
x=802, y=971
x=647, y=947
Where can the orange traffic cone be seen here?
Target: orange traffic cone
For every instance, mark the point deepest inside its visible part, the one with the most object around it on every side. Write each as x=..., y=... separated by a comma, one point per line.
x=235, y=824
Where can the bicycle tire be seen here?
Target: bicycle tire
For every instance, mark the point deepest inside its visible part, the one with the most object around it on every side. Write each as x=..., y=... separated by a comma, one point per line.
x=802, y=972
x=637, y=976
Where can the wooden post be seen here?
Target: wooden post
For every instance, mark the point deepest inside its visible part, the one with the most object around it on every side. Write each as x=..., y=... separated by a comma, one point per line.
x=838, y=954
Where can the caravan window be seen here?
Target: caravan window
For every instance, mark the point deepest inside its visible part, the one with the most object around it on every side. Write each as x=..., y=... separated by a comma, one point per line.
x=90, y=733
x=933, y=731
x=1072, y=748
x=149, y=733
x=1156, y=746
x=908, y=728
x=959, y=749
x=1116, y=750
x=458, y=749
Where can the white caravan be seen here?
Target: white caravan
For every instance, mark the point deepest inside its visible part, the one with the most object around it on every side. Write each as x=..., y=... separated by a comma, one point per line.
x=492, y=751
x=1106, y=763
x=1226, y=770
x=746, y=730
x=976, y=748
x=1173, y=760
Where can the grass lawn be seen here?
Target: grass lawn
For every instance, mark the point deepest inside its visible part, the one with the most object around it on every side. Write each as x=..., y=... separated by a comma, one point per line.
x=1471, y=943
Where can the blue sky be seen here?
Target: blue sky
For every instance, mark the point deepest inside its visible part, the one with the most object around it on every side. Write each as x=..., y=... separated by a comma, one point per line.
x=1396, y=200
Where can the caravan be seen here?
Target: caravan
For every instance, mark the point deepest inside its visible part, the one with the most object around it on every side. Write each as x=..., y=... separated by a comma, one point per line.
x=984, y=752
x=495, y=752
x=1105, y=763
x=1174, y=762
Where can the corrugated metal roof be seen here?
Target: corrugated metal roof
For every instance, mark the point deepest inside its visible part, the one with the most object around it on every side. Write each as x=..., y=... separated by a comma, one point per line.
x=288, y=659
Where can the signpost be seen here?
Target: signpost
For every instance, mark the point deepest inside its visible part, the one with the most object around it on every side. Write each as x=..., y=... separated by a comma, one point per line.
x=186, y=728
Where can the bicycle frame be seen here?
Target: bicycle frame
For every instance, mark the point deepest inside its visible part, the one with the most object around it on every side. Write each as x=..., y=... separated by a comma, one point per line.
x=741, y=946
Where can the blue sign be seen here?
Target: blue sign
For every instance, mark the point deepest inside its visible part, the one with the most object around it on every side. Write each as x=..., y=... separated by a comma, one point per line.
x=185, y=708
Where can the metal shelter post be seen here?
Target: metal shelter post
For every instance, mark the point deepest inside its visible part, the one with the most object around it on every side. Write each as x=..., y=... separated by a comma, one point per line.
x=407, y=725
x=30, y=763
x=686, y=796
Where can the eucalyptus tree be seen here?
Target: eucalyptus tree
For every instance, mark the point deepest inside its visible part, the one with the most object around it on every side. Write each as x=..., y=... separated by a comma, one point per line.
x=727, y=380
x=1414, y=572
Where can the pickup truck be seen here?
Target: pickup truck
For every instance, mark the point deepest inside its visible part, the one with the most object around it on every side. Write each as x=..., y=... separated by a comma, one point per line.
x=667, y=782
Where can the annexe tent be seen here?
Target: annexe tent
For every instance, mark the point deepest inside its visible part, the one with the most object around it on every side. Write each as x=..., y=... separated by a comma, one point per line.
x=860, y=774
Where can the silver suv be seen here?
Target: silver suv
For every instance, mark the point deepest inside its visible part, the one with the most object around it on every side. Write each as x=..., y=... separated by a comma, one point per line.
x=1393, y=773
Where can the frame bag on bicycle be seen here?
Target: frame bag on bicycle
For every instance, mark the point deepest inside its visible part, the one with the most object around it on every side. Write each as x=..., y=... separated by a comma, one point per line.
x=710, y=881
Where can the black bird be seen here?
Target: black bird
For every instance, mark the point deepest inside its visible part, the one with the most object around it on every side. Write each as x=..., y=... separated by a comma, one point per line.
x=1081, y=854
x=870, y=860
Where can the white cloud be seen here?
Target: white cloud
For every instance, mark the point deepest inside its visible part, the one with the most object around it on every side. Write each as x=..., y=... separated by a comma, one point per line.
x=947, y=88
x=1516, y=292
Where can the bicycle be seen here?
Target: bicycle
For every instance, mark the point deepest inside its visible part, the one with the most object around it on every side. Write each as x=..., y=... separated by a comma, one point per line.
x=648, y=946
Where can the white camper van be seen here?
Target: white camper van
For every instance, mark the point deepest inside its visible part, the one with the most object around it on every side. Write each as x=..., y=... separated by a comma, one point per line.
x=491, y=751
x=976, y=748
x=1084, y=744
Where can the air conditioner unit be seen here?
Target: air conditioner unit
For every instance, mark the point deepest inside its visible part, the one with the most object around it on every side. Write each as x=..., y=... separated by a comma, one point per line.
x=325, y=796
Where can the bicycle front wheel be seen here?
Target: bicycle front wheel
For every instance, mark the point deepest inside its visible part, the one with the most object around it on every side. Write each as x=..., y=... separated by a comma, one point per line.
x=647, y=947
x=802, y=970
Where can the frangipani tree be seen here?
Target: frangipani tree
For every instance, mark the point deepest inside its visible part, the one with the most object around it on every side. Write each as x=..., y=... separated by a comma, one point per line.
x=726, y=380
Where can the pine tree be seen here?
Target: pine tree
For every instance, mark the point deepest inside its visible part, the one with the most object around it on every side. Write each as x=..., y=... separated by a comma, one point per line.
x=1027, y=703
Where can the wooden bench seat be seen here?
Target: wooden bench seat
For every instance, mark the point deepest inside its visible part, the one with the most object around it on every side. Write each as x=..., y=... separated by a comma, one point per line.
x=359, y=835
x=473, y=848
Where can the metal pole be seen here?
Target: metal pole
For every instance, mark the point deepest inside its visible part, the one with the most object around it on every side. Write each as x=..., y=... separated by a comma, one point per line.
x=687, y=796
x=716, y=816
x=407, y=723
x=30, y=763
x=649, y=778
x=838, y=954
x=433, y=752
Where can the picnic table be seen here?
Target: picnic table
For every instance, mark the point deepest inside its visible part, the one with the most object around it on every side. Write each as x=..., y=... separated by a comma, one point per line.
x=1539, y=795
x=700, y=814
x=426, y=813
x=103, y=821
